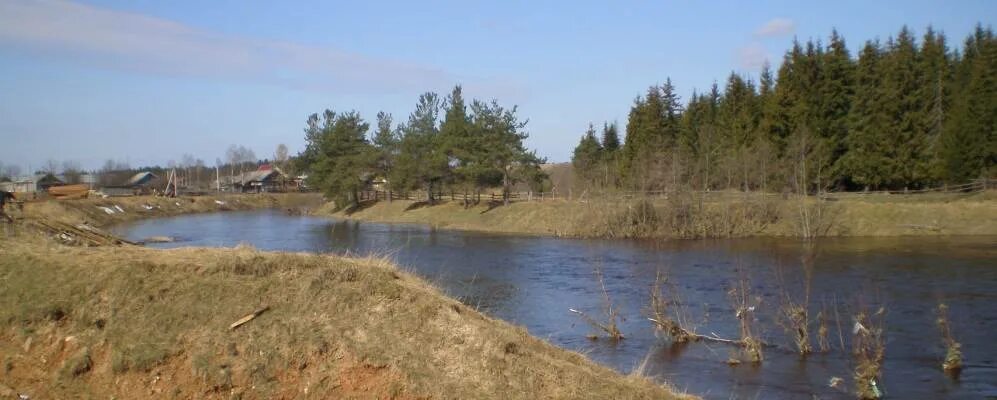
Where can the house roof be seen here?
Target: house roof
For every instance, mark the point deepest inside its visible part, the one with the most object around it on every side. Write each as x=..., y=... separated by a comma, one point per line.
x=260, y=176
x=140, y=178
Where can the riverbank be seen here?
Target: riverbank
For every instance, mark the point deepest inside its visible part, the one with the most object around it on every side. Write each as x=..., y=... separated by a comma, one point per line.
x=133, y=322
x=734, y=216
x=104, y=212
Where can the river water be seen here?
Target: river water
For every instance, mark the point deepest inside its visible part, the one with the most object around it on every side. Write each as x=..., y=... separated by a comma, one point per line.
x=533, y=281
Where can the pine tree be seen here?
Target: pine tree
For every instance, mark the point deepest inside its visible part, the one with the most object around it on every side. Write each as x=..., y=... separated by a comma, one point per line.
x=385, y=143
x=422, y=161
x=342, y=156
x=502, y=134
x=460, y=143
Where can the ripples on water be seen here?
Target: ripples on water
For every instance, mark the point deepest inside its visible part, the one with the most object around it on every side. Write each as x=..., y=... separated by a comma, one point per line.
x=532, y=281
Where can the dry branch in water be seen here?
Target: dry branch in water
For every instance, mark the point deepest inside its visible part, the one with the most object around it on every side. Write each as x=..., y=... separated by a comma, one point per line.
x=666, y=313
x=612, y=313
x=953, y=352
x=868, y=348
x=744, y=310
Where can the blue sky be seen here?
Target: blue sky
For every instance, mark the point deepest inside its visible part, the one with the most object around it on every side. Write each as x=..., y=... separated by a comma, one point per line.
x=147, y=81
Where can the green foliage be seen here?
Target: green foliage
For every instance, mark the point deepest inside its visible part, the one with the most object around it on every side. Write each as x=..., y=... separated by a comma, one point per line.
x=338, y=154
x=587, y=157
x=422, y=160
x=466, y=151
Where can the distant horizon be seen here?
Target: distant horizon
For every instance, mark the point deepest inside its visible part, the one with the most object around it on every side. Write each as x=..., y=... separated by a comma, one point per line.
x=145, y=84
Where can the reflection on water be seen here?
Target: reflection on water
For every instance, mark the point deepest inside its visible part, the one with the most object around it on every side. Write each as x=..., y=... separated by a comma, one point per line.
x=532, y=281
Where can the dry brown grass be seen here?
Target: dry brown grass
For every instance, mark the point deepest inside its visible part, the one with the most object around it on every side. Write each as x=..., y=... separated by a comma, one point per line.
x=696, y=216
x=135, y=322
x=142, y=207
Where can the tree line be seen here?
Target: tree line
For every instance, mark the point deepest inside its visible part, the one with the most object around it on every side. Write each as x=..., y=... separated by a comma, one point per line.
x=445, y=144
x=906, y=113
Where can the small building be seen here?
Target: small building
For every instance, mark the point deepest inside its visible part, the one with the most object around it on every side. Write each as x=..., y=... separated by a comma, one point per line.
x=31, y=184
x=138, y=184
x=265, y=179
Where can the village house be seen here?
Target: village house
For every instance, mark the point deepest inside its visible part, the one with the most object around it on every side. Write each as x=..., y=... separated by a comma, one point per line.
x=31, y=184
x=264, y=179
x=138, y=184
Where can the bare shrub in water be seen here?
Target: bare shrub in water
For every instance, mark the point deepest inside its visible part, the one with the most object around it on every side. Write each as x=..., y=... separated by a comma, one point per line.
x=868, y=349
x=667, y=311
x=612, y=313
x=794, y=313
x=953, y=350
x=823, y=343
x=744, y=310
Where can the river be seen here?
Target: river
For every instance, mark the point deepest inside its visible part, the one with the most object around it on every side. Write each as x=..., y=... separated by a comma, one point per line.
x=533, y=281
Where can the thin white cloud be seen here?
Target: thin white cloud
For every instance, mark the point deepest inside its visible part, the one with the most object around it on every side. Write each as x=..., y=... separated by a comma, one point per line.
x=752, y=56
x=777, y=27
x=153, y=45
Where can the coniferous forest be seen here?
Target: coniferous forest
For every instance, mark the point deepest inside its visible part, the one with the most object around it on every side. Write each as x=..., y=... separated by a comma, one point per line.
x=905, y=113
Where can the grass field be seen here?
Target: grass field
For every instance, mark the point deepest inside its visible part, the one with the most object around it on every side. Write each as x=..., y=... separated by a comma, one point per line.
x=734, y=215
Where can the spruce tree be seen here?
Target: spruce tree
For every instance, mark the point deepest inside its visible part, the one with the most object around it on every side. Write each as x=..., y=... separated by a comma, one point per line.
x=836, y=89
x=587, y=157
x=970, y=144
x=610, y=137
x=869, y=149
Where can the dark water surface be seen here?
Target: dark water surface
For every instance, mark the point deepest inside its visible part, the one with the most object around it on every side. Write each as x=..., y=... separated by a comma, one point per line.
x=533, y=281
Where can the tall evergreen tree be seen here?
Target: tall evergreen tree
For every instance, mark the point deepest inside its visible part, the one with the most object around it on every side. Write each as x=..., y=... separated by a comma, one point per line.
x=610, y=137
x=587, y=157
x=460, y=143
x=836, y=90
x=869, y=148
x=385, y=143
x=341, y=156
x=422, y=160
x=970, y=141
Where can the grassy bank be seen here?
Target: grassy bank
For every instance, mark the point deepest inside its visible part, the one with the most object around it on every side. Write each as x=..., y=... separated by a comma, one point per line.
x=690, y=217
x=121, y=209
x=131, y=322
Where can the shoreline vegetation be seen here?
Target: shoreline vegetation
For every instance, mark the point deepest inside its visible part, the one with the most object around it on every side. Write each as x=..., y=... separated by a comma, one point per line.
x=691, y=217
x=910, y=114
x=127, y=321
